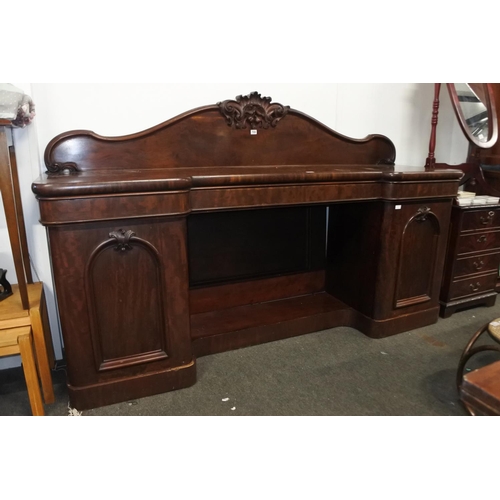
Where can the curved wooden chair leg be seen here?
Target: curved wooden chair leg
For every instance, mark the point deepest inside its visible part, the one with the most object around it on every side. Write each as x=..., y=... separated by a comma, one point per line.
x=467, y=353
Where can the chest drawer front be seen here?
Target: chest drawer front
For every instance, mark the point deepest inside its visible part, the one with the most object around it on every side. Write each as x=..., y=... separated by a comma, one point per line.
x=473, y=286
x=478, y=242
x=476, y=264
x=481, y=219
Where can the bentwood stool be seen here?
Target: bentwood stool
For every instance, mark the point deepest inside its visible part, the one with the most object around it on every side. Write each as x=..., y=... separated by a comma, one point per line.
x=480, y=390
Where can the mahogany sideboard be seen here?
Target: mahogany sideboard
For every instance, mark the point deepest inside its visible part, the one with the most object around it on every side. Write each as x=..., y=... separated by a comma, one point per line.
x=231, y=225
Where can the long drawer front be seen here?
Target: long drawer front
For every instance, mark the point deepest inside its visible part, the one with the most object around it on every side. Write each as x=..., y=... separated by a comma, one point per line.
x=473, y=285
x=478, y=242
x=476, y=264
x=482, y=219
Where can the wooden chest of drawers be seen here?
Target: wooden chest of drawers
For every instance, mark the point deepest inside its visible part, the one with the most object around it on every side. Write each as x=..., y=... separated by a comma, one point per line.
x=473, y=258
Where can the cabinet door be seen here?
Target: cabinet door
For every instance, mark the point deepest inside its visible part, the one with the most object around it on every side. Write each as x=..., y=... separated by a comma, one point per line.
x=413, y=251
x=122, y=296
x=386, y=259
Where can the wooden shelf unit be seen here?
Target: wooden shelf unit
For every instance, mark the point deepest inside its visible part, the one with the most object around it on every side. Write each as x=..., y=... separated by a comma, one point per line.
x=24, y=312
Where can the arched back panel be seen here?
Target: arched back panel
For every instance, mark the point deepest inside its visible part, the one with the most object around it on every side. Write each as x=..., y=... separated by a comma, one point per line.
x=249, y=131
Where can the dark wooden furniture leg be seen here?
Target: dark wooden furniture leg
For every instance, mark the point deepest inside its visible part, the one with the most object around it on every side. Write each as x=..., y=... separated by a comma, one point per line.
x=20, y=216
x=9, y=202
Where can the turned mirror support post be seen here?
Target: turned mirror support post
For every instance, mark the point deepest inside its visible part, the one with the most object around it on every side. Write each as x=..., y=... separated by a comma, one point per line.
x=430, y=164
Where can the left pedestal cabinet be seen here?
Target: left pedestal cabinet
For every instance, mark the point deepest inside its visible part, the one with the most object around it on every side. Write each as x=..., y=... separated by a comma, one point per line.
x=126, y=285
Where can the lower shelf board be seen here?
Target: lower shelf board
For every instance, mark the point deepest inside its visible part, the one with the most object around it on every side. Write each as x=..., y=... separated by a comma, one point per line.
x=227, y=329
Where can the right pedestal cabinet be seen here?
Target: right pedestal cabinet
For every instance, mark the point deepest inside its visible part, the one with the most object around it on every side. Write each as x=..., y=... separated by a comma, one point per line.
x=473, y=258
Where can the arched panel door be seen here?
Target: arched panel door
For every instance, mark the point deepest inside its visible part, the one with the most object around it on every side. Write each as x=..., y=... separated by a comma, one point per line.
x=124, y=290
x=417, y=259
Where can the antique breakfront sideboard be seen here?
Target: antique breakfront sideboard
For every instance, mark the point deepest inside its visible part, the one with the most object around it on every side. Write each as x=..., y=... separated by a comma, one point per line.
x=227, y=226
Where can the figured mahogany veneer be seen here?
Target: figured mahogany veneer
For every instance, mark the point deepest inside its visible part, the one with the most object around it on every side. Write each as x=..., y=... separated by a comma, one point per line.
x=227, y=226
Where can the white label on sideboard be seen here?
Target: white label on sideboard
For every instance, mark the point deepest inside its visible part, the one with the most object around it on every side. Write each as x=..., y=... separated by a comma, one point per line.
x=253, y=132
x=397, y=207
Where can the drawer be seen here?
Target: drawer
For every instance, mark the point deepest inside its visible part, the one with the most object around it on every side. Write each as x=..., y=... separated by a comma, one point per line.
x=478, y=242
x=480, y=219
x=473, y=286
x=476, y=264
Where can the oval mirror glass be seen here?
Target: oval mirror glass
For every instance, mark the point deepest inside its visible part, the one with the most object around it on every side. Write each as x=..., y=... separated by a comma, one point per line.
x=474, y=106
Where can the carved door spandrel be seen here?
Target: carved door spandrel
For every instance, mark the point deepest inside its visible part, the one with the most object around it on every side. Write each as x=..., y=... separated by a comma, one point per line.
x=125, y=297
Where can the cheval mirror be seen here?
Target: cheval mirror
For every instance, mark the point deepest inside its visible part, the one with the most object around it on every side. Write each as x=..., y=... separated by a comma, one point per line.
x=474, y=106
x=471, y=277
x=472, y=270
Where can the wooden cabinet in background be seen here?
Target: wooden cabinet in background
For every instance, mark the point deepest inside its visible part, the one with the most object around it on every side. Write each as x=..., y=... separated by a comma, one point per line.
x=473, y=258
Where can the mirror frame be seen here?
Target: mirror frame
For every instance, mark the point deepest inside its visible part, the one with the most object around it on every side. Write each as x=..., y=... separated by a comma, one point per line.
x=492, y=116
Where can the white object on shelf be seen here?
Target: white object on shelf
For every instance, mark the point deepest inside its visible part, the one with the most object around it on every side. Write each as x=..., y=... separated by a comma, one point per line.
x=466, y=194
x=480, y=200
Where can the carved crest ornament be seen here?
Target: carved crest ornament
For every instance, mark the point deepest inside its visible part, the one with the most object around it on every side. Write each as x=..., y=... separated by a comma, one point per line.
x=253, y=111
